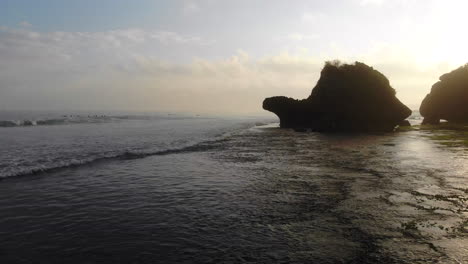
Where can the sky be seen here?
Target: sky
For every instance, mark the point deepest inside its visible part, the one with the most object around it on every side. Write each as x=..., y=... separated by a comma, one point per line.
x=215, y=56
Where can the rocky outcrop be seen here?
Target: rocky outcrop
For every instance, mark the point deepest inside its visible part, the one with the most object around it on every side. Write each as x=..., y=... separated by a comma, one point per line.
x=347, y=97
x=448, y=98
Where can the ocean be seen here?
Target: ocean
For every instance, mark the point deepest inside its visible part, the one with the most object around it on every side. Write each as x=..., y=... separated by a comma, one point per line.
x=172, y=188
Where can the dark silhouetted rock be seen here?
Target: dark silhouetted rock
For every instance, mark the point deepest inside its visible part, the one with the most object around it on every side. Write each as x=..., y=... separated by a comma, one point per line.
x=347, y=97
x=7, y=124
x=431, y=121
x=28, y=123
x=404, y=123
x=448, y=98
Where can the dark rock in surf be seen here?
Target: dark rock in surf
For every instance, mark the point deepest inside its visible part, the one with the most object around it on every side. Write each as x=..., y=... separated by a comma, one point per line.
x=28, y=123
x=347, y=97
x=7, y=124
x=431, y=121
x=448, y=98
x=404, y=123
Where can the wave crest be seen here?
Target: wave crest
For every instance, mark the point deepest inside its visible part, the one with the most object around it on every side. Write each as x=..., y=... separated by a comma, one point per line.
x=126, y=155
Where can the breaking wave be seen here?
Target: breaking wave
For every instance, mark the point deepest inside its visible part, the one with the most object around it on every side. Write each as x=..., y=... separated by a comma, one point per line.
x=87, y=119
x=56, y=121
x=126, y=155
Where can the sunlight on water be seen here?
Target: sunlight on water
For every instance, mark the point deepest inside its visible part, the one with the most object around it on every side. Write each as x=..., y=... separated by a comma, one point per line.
x=258, y=195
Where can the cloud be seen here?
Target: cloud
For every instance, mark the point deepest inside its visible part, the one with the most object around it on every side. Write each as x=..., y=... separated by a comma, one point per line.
x=313, y=17
x=25, y=24
x=371, y=2
x=85, y=48
x=125, y=69
x=400, y=3
x=190, y=7
x=128, y=70
x=302, y=37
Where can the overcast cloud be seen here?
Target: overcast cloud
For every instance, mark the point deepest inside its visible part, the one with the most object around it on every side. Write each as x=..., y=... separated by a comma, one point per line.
x=209, y=68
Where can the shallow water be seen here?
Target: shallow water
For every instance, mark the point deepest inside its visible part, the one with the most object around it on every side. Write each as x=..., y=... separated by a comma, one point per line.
x=256, y=195
x=31, y=149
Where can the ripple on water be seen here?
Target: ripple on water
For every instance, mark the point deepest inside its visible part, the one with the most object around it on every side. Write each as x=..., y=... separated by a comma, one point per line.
x=261, y=196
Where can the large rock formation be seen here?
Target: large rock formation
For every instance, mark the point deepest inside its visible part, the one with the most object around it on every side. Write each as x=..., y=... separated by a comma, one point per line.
x=347, y=97
x=448, y=98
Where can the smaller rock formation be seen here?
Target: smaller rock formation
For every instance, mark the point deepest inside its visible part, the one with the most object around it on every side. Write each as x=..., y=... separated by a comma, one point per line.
x=404, y=123
x=448, y=98
x=347, y=97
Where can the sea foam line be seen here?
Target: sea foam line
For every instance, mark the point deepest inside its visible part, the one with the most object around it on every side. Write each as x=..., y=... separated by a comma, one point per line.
x=127, y=155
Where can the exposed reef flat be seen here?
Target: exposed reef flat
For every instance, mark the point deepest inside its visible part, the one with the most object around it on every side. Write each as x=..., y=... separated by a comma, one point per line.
x=347, y=97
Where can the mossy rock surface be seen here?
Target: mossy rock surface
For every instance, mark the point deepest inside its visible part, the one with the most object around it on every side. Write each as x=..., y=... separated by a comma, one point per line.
x=447, y=133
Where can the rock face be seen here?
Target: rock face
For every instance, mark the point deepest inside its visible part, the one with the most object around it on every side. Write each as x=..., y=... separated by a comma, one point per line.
x=347, y=97
x=448, y=98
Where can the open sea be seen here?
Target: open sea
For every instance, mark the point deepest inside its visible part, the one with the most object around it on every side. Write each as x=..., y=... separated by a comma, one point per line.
x=162, y=188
